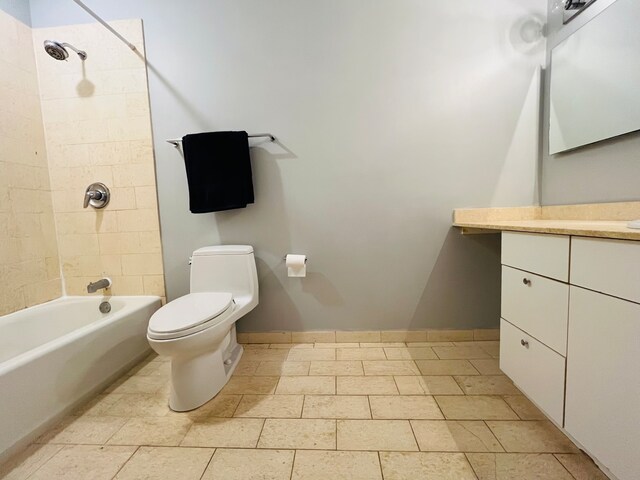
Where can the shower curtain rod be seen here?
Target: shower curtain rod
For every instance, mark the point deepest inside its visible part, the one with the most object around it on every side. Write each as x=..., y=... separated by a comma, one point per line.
x=105, y=24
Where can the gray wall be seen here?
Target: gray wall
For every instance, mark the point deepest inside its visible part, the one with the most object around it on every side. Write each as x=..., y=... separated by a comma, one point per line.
x=17, y=9
x=388, y=114
x=607, y=171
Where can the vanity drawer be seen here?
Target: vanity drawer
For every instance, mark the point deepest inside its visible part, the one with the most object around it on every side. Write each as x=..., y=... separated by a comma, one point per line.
x=535, y=369
x=546, y=255
x=537, y=305
x=608, y=266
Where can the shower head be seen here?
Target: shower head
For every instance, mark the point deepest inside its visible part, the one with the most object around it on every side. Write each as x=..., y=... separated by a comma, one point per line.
x=58, y=51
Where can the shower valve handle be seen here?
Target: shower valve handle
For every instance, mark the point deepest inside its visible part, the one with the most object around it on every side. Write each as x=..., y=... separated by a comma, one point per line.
x=97, y=195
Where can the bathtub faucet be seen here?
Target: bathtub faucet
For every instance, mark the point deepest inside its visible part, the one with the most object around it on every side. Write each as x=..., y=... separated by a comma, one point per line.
x=100, y=284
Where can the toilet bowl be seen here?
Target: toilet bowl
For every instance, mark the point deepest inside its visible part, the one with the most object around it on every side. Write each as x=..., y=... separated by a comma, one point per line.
x=197, y=331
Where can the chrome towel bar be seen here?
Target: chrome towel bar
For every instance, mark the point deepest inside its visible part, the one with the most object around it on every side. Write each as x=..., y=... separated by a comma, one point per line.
x=177, y=141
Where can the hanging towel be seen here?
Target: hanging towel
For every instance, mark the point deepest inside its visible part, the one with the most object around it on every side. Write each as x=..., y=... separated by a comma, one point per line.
x=218, y=171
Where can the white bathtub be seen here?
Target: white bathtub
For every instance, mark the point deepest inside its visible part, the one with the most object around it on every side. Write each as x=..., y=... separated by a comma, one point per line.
x=54, y=355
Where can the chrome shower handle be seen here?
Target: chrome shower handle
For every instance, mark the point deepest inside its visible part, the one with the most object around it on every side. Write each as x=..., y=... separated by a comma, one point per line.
x=97, y=195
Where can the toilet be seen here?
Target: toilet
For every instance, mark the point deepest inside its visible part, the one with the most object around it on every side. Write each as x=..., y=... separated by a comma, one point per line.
x=197, y=331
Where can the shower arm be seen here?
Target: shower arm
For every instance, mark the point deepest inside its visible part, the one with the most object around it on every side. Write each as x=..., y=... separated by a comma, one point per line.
x=104, y=24
x=81, y=53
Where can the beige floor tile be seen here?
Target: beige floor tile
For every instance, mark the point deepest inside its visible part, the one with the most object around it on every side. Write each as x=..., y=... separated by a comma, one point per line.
x=487, y=366
x=224, y=432
x=487, y=385
x=232, y=464
x=20, y=466
x=475, y=408
x=460, y=353
x=298, y=433
x=581, y=466
x=160, y=463
x=83, y=430
x=360, y=354
x=390, y=367
x=410, y=336
x=334, y=367
x=312, y=337
x=531, y=437
x=366, y=386
x=83, y=462
x=273, y=406
x=140, y=405
x=509, y=466
x=136, y=384
x=322, y=465
x=251, y=346
x=266, y=355
x=382, y=344
x=336, y=406
x=98, y=406
x=250, y=385
x=492, y=348
x=161, y=369
x=282, y=368
x=431, y=466
x=427, y=385
x=391, y=435
x=337, y=345
x=404, y=407
x=446, y=367
x=308, y=354
x=162, y=431
x=357, y=337
x=246, y=367
x=410, y=353
x=307, y=385
x=291, y=345
x=219, y=406
x=454, y=436
x=524, y=408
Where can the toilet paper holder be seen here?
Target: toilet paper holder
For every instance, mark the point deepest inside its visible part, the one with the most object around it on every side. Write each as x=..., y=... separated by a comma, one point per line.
x=285, y=259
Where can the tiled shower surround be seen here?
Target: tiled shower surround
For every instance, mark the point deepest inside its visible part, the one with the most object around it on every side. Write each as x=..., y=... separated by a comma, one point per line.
x=357, y=411
x=97, y=128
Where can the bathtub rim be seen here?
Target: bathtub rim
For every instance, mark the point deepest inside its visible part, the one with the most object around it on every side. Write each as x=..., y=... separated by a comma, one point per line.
x=24, y=357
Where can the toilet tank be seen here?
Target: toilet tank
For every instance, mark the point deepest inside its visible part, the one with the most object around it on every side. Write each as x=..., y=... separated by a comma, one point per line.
x=224, y=268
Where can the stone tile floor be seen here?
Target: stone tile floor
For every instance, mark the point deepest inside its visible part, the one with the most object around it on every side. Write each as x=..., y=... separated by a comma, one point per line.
x=316, y=411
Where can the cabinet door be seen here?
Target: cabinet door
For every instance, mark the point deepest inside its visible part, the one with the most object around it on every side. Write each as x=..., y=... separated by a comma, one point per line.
x=603, y=379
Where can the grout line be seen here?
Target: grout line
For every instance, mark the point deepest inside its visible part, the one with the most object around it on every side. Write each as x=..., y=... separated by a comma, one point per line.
x=293, y=462
x=473, y=470
x=208, y=463
x=414, y=435
x=128, y=460
x=380, y=465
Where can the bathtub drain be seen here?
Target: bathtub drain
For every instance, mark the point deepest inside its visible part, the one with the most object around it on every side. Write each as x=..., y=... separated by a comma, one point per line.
x=105, y=307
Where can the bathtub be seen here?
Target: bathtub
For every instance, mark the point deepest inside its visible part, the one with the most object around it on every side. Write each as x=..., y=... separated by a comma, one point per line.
x=55, y=355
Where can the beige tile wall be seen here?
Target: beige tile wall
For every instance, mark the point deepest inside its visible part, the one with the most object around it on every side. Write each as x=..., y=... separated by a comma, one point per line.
x=29, y=266
x=98, y=129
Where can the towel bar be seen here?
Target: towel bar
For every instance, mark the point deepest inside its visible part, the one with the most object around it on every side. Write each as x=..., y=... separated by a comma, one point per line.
x=177, y=141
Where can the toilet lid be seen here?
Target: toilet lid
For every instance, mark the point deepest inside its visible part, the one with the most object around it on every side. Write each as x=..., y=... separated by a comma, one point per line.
x=189, y=311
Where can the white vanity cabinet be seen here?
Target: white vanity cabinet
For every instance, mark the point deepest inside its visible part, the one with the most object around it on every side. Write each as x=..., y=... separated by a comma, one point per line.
x=570, y=338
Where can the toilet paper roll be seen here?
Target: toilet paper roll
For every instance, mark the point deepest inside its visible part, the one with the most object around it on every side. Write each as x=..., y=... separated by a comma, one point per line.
x=296, y=265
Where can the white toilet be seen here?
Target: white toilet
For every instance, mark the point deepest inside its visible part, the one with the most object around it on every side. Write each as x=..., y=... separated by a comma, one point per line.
x=198, y=330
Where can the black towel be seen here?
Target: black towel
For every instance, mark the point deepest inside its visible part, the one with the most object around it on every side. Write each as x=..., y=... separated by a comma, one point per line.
x=218, y=171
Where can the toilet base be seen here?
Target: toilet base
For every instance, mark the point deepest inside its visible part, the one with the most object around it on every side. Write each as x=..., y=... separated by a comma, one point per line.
x=196, y=380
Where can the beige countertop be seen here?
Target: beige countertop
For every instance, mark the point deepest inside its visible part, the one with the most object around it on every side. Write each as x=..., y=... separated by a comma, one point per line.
x=607, y=220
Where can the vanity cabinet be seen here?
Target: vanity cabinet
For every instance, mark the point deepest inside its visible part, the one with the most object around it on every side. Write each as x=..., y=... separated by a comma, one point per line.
x=570, y=338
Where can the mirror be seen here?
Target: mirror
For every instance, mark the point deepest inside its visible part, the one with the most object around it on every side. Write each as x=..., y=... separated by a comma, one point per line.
x=571, y=8
x=595, y=75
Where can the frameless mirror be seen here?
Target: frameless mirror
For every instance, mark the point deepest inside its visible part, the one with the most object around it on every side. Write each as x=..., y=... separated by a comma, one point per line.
x=571, y=7
x=595, y=75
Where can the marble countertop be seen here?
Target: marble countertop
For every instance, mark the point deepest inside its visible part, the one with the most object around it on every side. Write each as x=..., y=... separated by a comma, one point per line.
x=593, y=220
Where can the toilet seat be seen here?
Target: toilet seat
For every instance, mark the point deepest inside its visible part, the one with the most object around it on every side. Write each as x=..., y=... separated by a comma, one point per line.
x=190, y=314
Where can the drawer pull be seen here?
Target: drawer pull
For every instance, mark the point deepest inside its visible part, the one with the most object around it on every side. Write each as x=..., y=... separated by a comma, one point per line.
x=524, y=343
x=526, y=281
